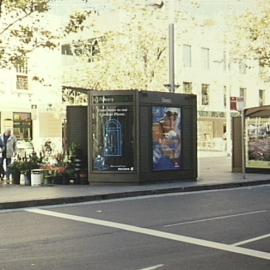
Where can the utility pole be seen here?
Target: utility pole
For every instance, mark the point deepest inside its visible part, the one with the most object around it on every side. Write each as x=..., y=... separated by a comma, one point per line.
x=171, y=58
x=171, y=46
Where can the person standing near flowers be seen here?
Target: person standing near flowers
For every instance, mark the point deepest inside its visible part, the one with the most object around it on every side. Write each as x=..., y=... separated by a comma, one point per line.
x=8, y=150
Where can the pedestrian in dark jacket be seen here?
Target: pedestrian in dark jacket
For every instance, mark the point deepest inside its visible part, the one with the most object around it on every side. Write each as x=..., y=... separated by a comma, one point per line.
x=2, y=172
x=9, y=150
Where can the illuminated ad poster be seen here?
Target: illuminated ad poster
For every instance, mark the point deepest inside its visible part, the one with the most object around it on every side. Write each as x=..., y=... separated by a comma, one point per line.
x=166, y=137
x=112, y=128
x=258, y=142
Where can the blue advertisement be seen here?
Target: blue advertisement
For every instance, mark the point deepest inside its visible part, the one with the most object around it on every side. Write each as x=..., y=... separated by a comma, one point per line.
x=113, y=135
x=166, y=135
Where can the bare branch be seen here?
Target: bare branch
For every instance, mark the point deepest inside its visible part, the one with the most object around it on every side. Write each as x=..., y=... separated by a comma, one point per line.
x=16, y=21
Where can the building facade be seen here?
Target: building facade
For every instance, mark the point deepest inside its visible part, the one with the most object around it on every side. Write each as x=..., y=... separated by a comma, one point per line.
x=30, y=100
x=204, y=67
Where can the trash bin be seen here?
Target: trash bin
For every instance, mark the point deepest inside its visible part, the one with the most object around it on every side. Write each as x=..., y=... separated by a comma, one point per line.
x=36, y=177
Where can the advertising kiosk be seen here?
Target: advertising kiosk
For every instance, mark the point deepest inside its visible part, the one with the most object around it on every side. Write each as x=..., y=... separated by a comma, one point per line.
x=141, y=136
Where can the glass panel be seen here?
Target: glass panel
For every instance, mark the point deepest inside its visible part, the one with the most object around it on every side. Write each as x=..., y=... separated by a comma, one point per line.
x=166, y=135
x=22, y=126
x=113, y=138
x=205, y=94
x=261, y=97
x=22, y=82
x=187, y=86
x=258, y=142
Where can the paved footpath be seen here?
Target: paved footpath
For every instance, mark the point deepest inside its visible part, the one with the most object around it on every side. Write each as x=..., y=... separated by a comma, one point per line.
x=210, y=177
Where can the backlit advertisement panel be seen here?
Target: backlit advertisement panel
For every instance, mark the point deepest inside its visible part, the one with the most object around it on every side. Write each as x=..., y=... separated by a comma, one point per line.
x=113, y=138
x=258, y=142
x=166, y=138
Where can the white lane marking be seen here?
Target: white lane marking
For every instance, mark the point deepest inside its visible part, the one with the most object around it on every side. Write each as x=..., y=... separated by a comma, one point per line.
x=155, y=233
x=215, y=218
x=153, y=267
x=252, y=240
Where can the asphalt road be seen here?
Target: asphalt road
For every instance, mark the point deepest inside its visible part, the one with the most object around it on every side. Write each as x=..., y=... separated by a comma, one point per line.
x=221, y=230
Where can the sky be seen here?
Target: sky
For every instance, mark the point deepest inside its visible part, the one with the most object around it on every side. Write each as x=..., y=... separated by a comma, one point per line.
x=206, y=7
x=215, y=10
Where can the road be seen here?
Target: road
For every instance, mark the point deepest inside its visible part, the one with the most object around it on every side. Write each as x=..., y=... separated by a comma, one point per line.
x=220, y=230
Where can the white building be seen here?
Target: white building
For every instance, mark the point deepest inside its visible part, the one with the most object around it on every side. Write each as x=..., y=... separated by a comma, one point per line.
x=30, y=99
x=205, y=68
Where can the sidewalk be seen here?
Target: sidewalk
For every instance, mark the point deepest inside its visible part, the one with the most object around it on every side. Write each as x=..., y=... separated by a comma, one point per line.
x=214, y=173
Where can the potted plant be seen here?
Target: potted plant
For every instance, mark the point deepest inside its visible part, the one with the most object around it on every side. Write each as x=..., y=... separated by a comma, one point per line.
x=27, y=164
x=15, y=170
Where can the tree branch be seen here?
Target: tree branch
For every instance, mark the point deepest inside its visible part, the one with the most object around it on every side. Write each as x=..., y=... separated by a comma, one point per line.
x=1, y=2
x=17, y=20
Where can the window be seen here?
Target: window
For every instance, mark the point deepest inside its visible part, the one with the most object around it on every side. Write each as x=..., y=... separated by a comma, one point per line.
x=186, y=55
x=187, y=87
x=261, y=97
x=224, y=60
x=205, y=58
x=66, y=49
x=22, y=125
x=242, y=94
x=22, y=67
x=21, y=76
x=22, y=82
x=205, y=94
x=89, y=48
x=242, y=68
x=225, y=96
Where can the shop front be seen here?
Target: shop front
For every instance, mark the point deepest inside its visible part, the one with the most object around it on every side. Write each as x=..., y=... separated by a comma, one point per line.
x=211, y=131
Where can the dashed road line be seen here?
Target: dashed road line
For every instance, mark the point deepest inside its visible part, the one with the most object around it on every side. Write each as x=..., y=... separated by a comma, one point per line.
x=155, y=233
x=252, y=240
x=153, y=267
x=215, y=218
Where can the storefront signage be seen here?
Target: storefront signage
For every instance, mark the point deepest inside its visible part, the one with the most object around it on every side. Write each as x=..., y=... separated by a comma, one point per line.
x=211, y=114
x=166, y=100
x=166, y=138
x=236, y=103
x=112, y=99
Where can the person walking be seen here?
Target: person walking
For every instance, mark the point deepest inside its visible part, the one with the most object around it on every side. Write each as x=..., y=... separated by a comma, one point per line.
x=8, y=151
x=2, y=172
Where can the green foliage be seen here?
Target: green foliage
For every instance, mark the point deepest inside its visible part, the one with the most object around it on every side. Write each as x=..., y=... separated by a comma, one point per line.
x=76, y=22
x=24, y=26
x=252, y=35
x=15, y=167
x=74, y=150
x=26, y=5
x=132, y=54
x=26, y=164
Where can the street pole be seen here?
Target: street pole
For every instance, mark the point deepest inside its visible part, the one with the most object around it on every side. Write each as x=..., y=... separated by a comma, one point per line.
x=171, y=58
x=171, y=10
x=243, y=143
x=228, y=121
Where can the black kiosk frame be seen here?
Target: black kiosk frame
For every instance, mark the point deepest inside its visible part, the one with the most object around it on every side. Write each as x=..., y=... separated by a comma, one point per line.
x=141, y=136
